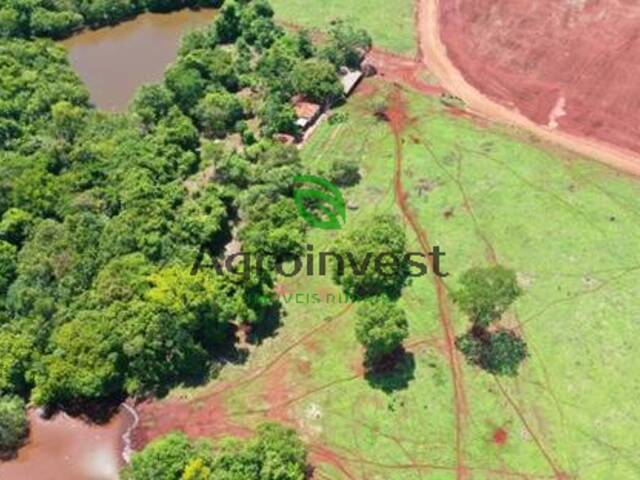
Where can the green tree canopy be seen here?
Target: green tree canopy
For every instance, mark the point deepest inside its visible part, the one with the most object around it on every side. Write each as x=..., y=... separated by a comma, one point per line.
x=218, y=112
x=15, y=226
x=159, y=352
x=274, y=453
x=84, y=362
x=381, y=327
x=499, y=353
x=8, y=254
x=186, y=85
x=18, y=347
x=152, y=103
x=317, y=81
x=486, y=293
x=373, y=258
x=163, y=459
x=346, y=45
x=13, y=423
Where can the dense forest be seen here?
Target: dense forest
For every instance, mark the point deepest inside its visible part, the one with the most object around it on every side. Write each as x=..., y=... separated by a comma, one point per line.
x=103, y=216
x=60, y=18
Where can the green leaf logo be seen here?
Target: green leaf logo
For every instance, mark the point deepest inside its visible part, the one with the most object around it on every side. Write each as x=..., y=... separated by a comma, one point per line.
x=320, y=208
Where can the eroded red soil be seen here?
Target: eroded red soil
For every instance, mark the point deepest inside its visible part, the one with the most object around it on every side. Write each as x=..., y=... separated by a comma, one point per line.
x=570, y=64
x=403, y=70
x=204, y=418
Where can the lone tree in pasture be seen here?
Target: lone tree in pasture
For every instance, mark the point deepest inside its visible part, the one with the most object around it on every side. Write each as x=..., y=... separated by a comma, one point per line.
x=345, y=172
x=381, y=327
x=373, y=259
x=486, y=293
x=499, y=353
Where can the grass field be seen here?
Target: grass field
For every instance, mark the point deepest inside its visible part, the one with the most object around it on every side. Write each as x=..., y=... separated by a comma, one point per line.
x=567, y=226
x=390, y=22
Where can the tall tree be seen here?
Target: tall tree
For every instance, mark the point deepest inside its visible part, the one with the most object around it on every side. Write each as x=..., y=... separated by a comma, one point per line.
x=372, y=258
x=163, y=459
x=13, y=423
x=486, y=293
x=84, y=362
x=317, y=81
x=381, y=327
x=499, y=353
x=218, y=112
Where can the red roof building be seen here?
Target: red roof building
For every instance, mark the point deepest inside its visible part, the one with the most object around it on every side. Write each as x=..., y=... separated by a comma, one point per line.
x=306, y=112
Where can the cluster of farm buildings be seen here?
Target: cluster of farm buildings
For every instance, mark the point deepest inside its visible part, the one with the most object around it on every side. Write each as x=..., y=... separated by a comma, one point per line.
x=308, y=113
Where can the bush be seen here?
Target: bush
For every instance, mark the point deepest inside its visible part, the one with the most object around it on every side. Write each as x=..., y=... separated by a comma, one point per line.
x=13, y=423
x=338, y=118
x=345, y=172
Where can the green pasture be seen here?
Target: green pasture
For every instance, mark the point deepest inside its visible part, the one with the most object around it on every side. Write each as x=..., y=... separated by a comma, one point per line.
x=390, y=22
x=569, y=227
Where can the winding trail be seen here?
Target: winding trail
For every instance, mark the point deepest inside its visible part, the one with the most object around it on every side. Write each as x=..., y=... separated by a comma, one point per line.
x=396, y=114
x=433, y=54
x=127, y=449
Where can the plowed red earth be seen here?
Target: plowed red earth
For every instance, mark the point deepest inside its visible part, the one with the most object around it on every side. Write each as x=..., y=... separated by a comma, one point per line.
x=571, y=64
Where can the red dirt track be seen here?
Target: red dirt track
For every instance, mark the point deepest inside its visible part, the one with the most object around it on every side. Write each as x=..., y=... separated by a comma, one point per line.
x=580, y=56
x=398, y=120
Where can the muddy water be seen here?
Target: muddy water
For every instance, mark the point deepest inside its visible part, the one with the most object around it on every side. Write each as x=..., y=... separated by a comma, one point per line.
x=114, y=62
x=65, y=448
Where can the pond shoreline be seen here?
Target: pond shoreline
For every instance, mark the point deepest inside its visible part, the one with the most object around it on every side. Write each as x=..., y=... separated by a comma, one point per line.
x=113, y=62
x=130, y=18
x=72, y=448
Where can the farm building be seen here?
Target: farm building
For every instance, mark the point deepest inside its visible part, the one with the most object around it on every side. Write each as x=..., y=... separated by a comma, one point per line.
x=350, y=80
x=307, y=113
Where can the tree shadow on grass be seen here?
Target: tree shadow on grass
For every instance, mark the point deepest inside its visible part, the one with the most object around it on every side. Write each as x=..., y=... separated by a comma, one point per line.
x=267, y=327
x=394, y=373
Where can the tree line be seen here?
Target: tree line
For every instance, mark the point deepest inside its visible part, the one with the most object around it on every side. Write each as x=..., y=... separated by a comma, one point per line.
x=273, y=453
x=61, y=18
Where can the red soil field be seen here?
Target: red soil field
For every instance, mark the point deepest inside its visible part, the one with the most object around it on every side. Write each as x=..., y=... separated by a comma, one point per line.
x=572, y=64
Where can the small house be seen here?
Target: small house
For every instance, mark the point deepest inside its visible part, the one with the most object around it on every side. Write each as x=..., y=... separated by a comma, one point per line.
x=307, y=113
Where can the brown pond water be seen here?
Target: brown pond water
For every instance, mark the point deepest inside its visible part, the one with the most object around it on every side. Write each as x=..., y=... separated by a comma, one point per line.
x=113, y=62
x=65, y=448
